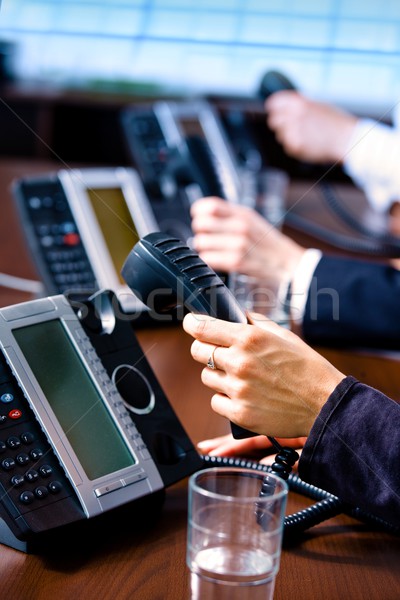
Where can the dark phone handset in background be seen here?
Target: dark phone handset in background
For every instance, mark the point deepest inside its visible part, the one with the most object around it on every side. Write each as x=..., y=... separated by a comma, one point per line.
x=273, y=81
x=181, y=152
x=251, y=145
x=194, y=170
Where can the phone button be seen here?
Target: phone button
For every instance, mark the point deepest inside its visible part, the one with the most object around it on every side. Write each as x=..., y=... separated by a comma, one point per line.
x=135, y=478
x=110, y=487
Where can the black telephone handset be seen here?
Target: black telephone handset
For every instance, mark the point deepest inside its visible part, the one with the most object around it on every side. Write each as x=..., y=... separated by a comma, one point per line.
x=159, y=262
x=193, y=171
x=203, y=166
x=274, y=81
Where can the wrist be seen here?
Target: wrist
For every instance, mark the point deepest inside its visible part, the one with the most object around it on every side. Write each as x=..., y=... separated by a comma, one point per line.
x=328, y=382
x=342, y=141
x=292, y=258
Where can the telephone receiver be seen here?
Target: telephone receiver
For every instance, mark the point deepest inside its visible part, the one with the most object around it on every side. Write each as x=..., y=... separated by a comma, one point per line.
x=193, y=163
x=190, y=171
x=159, y=263
x=164, y=273
x=273, y=81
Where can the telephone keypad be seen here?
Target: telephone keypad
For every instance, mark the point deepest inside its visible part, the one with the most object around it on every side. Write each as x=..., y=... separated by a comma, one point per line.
x=55, y=230
x=29, y=472
x=148, y=145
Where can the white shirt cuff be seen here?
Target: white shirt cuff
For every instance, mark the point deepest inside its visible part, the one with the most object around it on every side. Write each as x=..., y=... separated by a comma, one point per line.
x=372, y=161
x=301, y=283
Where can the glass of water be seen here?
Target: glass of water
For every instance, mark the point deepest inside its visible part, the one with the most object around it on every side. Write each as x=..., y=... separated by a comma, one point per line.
x=234, y=533
x=266, y=191
x=267, y=297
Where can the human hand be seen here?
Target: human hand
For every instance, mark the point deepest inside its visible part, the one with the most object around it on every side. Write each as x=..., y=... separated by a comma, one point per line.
x=309, y=130
x=266, y=379
x=235, y=238
x=257, y=446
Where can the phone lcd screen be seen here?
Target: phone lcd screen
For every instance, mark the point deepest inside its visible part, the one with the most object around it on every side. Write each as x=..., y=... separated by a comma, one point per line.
x=116, y=224
x=74, y=398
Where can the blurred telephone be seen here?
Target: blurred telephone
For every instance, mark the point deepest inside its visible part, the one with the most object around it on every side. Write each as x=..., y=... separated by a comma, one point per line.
x=80, y=224
x=181, y=152
x=85, y=427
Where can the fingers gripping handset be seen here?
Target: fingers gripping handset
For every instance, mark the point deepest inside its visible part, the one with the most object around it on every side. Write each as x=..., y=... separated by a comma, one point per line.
x=165, y=273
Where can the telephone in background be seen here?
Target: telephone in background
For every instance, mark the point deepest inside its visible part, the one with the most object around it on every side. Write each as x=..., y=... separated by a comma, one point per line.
x=79, y=225
x=181, y=152
x=253, y=143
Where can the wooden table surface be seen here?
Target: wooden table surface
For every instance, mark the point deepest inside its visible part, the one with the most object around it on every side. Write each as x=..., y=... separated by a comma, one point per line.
x=145, y=560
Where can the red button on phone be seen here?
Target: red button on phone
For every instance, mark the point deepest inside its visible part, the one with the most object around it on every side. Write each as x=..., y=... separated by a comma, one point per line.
x=15, y=414
x=71, y=239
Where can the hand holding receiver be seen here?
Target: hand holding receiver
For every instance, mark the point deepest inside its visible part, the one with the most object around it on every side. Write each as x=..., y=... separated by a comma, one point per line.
x=158, y=263
x=164, y=273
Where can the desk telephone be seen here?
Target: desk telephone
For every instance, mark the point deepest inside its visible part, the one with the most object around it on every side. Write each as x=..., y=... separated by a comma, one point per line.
x=85, y=427
x=182, y=153
x=80, y=224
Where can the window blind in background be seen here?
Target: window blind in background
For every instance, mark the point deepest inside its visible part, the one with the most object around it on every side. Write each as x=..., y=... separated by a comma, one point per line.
x=344, y=51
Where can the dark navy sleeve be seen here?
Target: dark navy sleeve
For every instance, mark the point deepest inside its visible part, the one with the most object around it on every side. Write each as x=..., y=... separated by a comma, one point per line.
x=353, y=450
x=353, y=302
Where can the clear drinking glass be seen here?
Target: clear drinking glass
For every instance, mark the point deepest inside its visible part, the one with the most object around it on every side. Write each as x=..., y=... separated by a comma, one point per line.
x=266, y=297
x=266, y=192
x=234, y=534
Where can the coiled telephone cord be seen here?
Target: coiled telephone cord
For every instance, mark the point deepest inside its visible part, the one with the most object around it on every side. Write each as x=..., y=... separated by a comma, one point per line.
x=327, y=506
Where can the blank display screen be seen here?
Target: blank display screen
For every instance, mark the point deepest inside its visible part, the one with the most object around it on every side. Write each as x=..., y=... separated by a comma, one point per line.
x=116, y=224
x=74, y=398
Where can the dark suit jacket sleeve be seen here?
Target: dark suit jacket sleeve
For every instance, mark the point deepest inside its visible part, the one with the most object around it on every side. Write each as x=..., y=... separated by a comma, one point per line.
x=353, y=302
x=353, y=450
